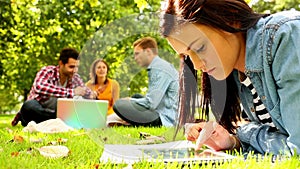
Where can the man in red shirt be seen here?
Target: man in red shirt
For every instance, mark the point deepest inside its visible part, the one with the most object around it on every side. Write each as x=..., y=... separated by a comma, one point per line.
x=52, y=82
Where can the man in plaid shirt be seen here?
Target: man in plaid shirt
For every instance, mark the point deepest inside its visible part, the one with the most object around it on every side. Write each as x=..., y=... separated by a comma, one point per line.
x=52, y=82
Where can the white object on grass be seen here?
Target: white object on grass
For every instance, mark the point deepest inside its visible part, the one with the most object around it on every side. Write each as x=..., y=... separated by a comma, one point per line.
x=54, y=151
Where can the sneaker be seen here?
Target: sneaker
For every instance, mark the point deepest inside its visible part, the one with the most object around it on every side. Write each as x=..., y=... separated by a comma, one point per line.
x=16, y=119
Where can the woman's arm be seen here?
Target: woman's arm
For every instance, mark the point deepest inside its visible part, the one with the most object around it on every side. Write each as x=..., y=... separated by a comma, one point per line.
x=115, y=90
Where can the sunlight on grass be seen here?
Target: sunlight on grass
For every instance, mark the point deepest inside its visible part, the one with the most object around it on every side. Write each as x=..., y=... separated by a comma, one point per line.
x=86, y=147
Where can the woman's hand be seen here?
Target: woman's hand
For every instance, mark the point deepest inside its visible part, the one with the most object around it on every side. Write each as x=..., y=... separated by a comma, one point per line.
x=220, y=139
x=93, y=95
x=192, y=130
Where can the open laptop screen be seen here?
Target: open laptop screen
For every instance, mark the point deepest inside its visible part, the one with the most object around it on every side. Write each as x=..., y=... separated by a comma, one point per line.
x=82, y=113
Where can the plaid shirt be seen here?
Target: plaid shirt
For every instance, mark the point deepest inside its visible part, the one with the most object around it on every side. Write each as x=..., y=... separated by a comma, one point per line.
x=46, y=84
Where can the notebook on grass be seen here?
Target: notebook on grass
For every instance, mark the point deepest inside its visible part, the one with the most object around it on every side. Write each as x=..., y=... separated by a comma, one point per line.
x=82, y=113
x=177, y=151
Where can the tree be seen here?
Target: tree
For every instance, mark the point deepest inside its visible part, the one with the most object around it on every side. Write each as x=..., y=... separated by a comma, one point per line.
x=32, y=33
x=273, y=6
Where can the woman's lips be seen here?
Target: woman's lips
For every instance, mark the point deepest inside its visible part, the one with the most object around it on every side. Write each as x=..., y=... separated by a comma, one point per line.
x=210, y=71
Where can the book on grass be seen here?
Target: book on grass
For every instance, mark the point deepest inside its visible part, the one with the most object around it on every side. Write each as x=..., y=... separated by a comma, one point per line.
x=115, y=120
x=177, y=151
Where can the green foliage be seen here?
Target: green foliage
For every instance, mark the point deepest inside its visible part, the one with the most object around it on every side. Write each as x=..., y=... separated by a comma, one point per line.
x=8, y=101
x=33, y=32
x=273, y=6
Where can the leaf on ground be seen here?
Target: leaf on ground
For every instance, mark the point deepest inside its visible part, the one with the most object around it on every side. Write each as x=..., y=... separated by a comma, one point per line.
x=15, y=154
x=18, y=139
x=62, y=140
x=150, y=139
x=144, y=135
x=96, y=166
x=29, y=150
x=59, y=141
x=53, y=143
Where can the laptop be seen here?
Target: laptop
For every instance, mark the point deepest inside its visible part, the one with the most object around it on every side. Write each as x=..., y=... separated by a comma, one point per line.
x=82, y=113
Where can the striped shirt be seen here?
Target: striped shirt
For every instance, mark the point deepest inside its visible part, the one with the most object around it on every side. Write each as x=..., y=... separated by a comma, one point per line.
x=260, y=110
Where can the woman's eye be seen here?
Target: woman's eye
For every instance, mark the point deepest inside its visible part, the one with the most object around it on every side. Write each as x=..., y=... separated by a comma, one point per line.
x=200, y=49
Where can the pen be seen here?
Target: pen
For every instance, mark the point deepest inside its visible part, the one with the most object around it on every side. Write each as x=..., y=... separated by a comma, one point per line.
x=205, y=133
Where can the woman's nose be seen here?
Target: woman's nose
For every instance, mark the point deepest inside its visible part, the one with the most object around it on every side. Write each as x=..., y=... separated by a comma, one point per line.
x=200, y=64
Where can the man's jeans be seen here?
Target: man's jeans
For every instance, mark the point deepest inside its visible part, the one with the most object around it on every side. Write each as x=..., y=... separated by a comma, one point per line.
x=136, y=114
x=32, y=110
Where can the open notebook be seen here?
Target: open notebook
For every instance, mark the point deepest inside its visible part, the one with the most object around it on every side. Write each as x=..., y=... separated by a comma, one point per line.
x=177, y=151
x=82, y=113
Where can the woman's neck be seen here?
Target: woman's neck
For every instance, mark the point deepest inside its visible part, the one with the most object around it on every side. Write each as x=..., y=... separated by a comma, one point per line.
x=240, y=64
x=101, y=80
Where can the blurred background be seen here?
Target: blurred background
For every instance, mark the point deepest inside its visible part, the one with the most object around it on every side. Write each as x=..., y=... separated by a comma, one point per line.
x=32, y=33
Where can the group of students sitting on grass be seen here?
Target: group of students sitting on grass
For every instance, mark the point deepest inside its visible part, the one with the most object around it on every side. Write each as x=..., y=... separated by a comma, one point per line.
x=158, y=107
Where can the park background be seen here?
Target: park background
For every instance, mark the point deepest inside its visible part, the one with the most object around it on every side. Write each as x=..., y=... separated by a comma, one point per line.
x=33, y=32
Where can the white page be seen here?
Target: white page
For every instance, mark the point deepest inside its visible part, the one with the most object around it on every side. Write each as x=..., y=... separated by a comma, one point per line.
x=130, y=154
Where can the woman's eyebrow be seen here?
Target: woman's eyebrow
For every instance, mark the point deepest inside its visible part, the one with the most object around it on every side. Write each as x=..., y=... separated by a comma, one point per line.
x=191, y=44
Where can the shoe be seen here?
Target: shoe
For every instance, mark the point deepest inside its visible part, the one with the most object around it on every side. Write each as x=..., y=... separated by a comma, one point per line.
x=16, y=119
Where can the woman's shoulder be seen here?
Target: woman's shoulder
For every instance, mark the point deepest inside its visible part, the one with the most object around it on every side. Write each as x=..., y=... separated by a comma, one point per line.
x=89, y=83
x=280, y=18
x=287, y=14
x=113, y=82
x=277, y=23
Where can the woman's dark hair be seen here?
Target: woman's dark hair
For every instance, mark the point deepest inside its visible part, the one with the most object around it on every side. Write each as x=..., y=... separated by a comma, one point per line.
x=228, y=15
x=93, y=74
x=219, y=95
x=188, y=88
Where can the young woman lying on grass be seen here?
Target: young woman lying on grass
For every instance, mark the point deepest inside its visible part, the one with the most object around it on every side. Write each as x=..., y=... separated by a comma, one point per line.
x=245, y=58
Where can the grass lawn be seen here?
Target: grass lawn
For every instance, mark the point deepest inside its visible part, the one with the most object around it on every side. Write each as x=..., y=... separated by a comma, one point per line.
x=19, y=149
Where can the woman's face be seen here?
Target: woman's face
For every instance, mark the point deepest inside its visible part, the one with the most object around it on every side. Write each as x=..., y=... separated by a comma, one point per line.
x=212, y=51
x=101, y=69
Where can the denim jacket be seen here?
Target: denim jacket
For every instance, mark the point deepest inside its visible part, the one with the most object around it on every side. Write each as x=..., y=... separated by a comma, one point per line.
x=273, y=66
x=162, y=95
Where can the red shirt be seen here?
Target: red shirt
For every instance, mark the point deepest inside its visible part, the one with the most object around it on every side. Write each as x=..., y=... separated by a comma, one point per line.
x=46, y=84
